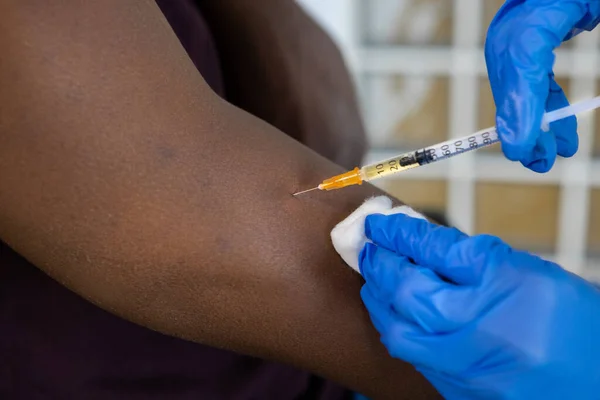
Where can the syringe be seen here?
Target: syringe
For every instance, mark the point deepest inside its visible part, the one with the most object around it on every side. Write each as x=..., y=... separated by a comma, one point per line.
x=439, y=152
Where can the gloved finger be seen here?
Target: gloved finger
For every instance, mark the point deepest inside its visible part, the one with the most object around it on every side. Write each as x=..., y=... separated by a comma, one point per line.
x=407, y=341
x=416, y=293
x=543, y=156
x=397, y=335
x=425, y=243
x=519, y=56
x=561, y=139
x=373, y=263
x=588, y=22
x=380, y=312
x=519, y=117
x=565, y=130
x=401, y=284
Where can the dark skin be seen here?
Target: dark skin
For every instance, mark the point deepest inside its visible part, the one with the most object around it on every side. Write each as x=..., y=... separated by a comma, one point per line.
x=290, y=74
x=126, y=179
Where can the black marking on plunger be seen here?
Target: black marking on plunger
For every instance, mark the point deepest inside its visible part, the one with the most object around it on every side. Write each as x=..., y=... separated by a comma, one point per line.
x=425, y=156
x=421, y=157
x=407, y=160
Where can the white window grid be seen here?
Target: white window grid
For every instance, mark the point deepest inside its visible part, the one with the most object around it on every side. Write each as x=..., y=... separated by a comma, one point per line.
x=463, y=63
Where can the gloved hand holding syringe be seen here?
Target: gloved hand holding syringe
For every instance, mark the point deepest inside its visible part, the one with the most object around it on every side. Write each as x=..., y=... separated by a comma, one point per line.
x=441, y=151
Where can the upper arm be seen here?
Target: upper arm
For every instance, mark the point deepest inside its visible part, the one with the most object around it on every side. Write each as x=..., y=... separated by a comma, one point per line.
x=124, y=177
x=293, y=74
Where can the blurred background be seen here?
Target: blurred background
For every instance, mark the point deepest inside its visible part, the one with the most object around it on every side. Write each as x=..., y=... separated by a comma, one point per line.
x=421, y=78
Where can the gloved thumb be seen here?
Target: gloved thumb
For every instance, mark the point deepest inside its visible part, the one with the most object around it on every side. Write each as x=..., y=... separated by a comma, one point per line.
x=426, y=243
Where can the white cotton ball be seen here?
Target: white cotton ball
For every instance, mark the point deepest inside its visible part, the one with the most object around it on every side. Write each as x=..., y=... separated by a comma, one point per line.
x=348, y=237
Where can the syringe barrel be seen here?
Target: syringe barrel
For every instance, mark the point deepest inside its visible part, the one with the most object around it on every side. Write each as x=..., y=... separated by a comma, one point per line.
x=428, y=155
x=453, y=147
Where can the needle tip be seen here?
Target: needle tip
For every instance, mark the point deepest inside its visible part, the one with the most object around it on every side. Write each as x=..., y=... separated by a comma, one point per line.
x=304, y=191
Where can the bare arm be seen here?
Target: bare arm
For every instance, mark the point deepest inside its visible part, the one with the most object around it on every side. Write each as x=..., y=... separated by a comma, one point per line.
x=126, y=179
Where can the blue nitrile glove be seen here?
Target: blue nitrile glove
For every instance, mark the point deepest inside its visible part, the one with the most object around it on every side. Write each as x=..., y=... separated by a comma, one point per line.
x=519, y=56
x=479, y=319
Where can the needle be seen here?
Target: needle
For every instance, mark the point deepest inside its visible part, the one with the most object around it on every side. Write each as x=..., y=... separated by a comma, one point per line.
x=304, y=191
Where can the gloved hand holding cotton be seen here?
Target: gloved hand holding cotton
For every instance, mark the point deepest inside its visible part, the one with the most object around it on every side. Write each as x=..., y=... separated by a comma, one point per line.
x=348, y=236
x=477, y=318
